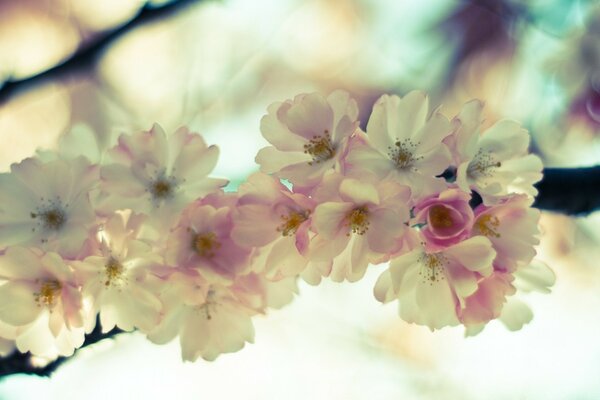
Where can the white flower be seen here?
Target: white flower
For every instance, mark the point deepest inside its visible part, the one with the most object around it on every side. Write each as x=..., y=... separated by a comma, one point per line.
x=403, y=143
x=47, y=204
x=496, y=162
x=158, y=175
x=117, y=277
x=41, y=299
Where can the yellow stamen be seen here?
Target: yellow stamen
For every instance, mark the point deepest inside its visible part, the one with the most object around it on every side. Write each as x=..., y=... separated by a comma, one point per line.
x=402, y=154
x=358, y=220
x=114, y=272
x=488, y=225
x=291, y=222
x=48, y=294
x=433, y=267
x=320, y=148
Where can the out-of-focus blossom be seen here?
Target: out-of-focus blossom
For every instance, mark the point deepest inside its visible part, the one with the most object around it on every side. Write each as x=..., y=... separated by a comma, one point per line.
x=495, y=162
x=308, y=134
x=207, y=319
x=404, y=142
x=432, y=287
x=47, y=204
x=41, y=299
x=201, y=240
x=117, y=276
x=158, y=175
x=362, y=223
x=447, y=216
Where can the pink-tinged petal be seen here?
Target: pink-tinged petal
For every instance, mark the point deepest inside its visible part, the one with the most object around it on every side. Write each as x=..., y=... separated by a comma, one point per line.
x=359, y=193
x=310, y=117
x=284, y=259
x=487, y=302
x=276, y=132
x=433, y=132
x=272, y=160
x=255, y=225
x=386, y=228
x=515, y=314
x=463, y=281
x=305, y=175
x=329, y=219
x=437, y=304
x=475, y=254
x=302, y=237
x=18, y=306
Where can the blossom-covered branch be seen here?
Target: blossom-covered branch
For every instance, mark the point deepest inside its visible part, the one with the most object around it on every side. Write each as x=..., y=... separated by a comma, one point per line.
x=141, y=237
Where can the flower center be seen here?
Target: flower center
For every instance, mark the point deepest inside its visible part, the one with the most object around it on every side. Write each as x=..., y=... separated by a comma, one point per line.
x=402, y=154
x=209, y=304
x=433, y=264
x=320, y=148
x=440, y=217
x=205, y=244
x=114, y=272
x=52, y=217
x=482, y=165
x=48, y=294
x=358, y=220
x=291, y=222
x=487, y=225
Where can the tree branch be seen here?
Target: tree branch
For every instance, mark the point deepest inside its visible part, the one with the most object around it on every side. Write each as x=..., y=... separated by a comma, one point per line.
x=87, y=55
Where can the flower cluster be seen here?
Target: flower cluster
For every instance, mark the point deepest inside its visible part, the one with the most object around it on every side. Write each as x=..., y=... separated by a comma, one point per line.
x=144, y=239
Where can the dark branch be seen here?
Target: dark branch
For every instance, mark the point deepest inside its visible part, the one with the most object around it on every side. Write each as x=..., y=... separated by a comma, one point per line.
x=87, y=55
x=570, y=191
x=20, y=363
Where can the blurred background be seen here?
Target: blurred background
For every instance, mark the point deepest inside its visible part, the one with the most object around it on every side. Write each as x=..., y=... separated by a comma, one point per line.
x=101, y=68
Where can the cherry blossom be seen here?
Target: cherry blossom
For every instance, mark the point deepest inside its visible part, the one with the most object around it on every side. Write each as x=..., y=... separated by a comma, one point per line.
x=201, y=240
x=165, y=172
x=432, y=287
x=272, y=217
x=41, y=299
x=308, y=136
x=447, y=218
x=117, y=276
x=361, y=224
x=47, y=204
x=495, y=162
x=404, y=142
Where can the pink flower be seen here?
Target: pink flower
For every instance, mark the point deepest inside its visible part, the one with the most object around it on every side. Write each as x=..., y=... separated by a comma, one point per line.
x=269, y=216
x=403, y=143
x=117, y=276
x=496, y=162
x=308, y=135
x=512, y=227
x=447, y=216
x=202, y=240
x=158, y=175
x=41, y=298
x=432, y=287
x=47, y=205
x=488, y=301
x=362, y=223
